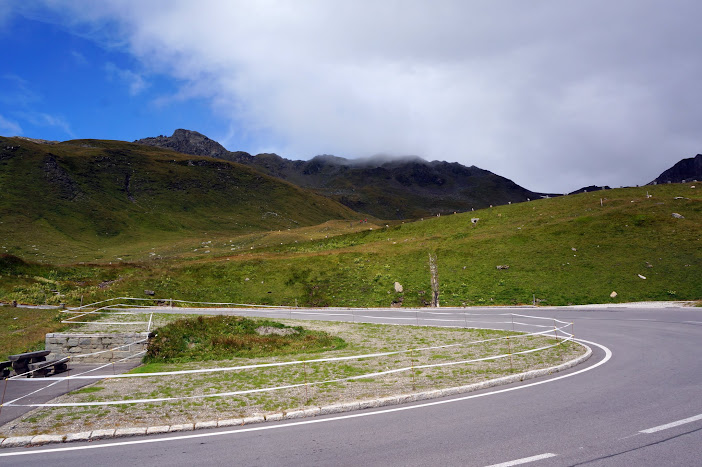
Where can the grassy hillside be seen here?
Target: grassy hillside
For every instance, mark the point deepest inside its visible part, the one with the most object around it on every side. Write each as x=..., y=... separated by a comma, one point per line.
x=94, y=200
x=407, y=188
x=575, y=249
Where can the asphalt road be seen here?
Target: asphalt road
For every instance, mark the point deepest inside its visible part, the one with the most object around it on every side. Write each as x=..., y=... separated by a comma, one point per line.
x=641, y=405
x=42, y=390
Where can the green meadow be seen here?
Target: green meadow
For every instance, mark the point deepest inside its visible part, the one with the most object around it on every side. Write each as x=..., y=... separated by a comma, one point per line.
x=569, y=250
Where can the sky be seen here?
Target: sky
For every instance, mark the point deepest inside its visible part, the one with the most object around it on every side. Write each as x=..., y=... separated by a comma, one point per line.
x=553, y=94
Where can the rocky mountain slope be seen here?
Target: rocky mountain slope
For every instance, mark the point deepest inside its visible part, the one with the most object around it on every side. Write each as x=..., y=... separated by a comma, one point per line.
x=381, y=187
x=684, y=171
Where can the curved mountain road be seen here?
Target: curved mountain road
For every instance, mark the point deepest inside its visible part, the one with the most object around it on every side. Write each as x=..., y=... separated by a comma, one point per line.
x=643, y=406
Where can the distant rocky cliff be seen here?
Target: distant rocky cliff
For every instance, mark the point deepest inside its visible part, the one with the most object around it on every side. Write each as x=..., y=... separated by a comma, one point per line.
x=387, y=188
x=684, y=171
x=188, y=142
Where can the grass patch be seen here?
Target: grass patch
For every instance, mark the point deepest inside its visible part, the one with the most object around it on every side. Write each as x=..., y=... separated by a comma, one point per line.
x=24, y=329
x=223, y=337
x=361, y=339
x=87, y=390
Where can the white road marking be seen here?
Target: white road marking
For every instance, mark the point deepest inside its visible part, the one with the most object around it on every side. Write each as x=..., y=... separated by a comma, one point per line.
x=525, y=460
x=608, y=356
x=672, y=424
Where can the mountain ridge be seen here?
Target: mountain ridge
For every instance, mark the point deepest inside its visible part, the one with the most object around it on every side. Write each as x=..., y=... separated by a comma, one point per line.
x=384, y=187
x=684, y=170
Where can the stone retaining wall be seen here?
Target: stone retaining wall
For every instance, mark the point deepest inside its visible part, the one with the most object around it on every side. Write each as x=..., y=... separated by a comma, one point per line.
x=71, y=345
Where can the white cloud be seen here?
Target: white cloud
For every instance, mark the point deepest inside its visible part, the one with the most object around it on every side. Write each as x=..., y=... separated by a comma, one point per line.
x=134, y=81
x=43, y=119
x=15, y=92
x=552, y=94
x=79, y=58
x=55, y=121
x=9, y=127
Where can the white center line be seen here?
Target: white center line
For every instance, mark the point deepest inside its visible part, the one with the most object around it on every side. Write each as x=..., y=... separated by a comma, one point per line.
x=672, y=424
x=525, y=460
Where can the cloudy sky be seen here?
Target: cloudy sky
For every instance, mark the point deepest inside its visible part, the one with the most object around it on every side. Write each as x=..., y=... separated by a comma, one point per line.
x=553, y=94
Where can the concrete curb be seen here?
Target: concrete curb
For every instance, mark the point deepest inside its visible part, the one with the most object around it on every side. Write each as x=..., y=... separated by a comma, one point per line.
x=20, y=441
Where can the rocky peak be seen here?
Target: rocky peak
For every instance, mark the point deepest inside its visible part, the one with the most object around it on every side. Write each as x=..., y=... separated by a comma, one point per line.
x=684, y=171
x=188, y=142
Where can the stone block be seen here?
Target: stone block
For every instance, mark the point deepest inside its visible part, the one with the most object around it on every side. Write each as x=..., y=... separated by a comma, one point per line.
x=450, y=391
x=17, y=441
x=368, y=404
x=403, y=399
x=208, y=424
x=152, y=430
x=385, y=401
x=293, y=414
x=182, y=427
x=254, y=419
x=230, y=422
x=274, y=417
x=339, y=408
x=46, y=439
x=81, y=436
x=100, y=434
x=123, y=432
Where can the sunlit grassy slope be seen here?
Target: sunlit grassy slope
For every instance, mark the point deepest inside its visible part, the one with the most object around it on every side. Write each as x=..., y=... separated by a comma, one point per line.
x=576, y=249
x=90, y=200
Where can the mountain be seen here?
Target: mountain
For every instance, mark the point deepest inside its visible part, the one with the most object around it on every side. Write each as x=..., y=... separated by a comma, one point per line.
x=684, y=171
x=383, y=187
x=89, y=192
x=188, y=142
x=588, y=189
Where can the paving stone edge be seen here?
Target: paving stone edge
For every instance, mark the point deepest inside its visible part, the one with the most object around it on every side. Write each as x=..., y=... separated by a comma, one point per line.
x=37, y=440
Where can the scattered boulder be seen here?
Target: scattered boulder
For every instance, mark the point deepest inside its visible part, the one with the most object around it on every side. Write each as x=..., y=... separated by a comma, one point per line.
x=398, y=287
x=678, y=216
x=149, y=292
x=613, y=294
x=502, y=266
x=640, y=276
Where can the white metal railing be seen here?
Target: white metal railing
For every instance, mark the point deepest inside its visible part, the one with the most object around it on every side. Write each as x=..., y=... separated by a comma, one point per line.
x=557, y=330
